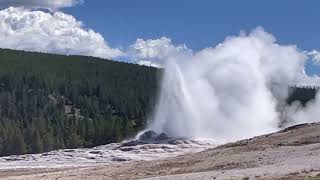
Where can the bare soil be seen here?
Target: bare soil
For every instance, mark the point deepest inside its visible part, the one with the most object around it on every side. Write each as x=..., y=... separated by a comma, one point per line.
x=293, y=153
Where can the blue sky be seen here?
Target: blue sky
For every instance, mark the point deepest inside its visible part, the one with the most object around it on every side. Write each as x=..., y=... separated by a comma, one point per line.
x=202, y=23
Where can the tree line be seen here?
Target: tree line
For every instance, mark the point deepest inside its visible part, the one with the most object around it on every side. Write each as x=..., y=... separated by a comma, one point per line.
x=303, y=94
x=51, y=102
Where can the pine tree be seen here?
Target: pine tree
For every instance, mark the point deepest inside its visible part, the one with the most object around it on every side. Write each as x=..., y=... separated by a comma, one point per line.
x=36, y=145
x=2, y=139
x=75, y=141
x=18, y=144
x=47, y=142
x=117, y=130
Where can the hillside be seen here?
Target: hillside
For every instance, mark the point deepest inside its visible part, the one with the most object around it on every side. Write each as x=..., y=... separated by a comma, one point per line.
x=50, y=102
x=53, y=101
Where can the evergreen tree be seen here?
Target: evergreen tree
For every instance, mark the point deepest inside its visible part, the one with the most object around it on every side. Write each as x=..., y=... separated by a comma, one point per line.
x=36, y=145
x=18, y=145
x=48, y=142
x=75, y=141
x=117, y=130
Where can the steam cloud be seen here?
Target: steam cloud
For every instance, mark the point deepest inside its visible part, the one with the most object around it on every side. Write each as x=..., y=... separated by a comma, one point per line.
x=315, y=55
x=155, y=52
x=232, y=91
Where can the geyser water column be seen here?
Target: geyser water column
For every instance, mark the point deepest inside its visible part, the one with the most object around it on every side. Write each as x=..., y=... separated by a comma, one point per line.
x=176, y=112
x=228, y=92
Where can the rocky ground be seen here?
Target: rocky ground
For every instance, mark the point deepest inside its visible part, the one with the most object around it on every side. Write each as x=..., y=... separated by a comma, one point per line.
x=293, y=153
x=150, y=146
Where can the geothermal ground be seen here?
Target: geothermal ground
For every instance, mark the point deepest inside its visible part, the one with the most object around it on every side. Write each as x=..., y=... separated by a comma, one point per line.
x=152, y=147
x=293, y=153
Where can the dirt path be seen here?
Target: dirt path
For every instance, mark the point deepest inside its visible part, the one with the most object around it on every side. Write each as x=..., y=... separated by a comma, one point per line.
x=293, y=153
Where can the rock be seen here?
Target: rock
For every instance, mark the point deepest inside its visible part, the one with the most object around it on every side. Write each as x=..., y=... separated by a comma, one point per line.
x=175, y=142
x=69, y=150
x=165, y=147
x=95, y=152
x=126, y=149
x=162, y=137
x=131, y=143
x=119, y=159
x=90, y=157
x=48, y=154
x=148, y=135
x=14, y=158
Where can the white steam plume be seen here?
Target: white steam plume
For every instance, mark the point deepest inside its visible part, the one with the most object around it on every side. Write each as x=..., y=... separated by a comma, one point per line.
x=155, y=52
x=232, y=91
x=315, y=56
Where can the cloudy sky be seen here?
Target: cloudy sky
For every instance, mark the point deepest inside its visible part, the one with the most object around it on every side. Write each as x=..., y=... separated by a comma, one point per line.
x=149, y=31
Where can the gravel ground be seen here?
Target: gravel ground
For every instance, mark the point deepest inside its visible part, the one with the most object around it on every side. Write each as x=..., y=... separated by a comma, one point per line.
x=293, y=153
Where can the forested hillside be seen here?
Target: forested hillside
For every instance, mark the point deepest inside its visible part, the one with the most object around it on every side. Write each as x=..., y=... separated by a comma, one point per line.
x=52, y=101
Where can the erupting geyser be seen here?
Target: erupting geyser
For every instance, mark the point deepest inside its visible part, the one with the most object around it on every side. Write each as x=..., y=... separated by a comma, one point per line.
x=232, y=91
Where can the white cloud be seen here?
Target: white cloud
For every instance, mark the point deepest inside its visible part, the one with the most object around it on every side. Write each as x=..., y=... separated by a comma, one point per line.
x=34, y=4
x=53, y=33
x=315, y=56
x=148, y=63
x=155, y=52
